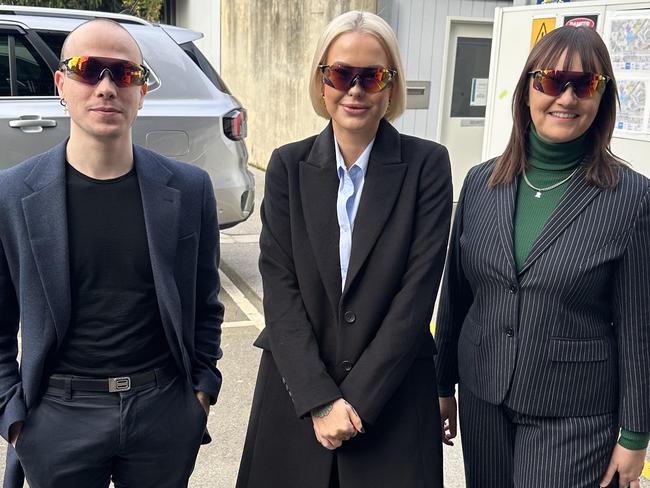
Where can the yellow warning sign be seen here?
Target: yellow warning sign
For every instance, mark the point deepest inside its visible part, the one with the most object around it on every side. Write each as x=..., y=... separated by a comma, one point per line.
x=541, y=27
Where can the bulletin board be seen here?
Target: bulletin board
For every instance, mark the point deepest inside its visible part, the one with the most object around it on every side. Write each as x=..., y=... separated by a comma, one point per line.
x=624, y=26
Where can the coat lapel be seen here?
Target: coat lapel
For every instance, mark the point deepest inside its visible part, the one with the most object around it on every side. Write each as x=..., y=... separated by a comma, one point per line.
x=382, y=185
x=47, y=227
x=161, y=207
x=576, y=198
x=319, y=185
x=505, y=196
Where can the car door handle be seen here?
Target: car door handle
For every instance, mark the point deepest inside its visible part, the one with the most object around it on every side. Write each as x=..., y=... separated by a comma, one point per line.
x=21, y=123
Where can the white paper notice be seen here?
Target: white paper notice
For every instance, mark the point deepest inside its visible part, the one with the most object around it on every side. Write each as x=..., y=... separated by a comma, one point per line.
x=478, y=97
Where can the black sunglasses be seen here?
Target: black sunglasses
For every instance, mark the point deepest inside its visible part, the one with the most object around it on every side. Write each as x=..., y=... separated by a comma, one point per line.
x=91, y=69
x=371, y=80
x=553, y=82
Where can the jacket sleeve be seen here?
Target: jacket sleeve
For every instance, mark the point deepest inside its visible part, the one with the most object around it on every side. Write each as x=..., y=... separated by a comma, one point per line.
x=209, y=310
x=631, y=316
x=292, y=339
x=12, y=405
x=383, y=364
x=455, y=300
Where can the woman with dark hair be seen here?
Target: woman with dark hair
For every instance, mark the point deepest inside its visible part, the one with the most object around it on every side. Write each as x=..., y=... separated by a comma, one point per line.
x=544, y=320
x=355, y=222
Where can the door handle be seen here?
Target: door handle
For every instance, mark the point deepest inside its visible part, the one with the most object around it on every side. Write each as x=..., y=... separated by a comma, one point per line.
x=31, y=123
x=19, y=124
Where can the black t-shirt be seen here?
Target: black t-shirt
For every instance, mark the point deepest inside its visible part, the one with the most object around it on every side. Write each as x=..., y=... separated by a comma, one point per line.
x=115, y=327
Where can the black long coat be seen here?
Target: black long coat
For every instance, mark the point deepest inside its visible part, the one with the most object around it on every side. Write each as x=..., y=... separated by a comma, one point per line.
x=369, y=343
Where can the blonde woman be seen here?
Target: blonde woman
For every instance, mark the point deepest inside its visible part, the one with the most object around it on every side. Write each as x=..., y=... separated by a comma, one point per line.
x=355, y=224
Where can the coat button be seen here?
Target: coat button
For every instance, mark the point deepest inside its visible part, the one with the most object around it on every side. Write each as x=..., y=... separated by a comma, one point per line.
x=510, y=332
x=512, y=289
x=349, y=317
x=347, y=366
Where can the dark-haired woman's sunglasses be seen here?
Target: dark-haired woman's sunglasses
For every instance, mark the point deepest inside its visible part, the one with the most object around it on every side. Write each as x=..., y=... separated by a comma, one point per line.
x=553, y=82
x=371, y=80
x=91, y=69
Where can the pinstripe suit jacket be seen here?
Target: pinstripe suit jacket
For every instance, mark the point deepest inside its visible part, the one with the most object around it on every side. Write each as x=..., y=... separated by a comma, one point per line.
x=567, y=335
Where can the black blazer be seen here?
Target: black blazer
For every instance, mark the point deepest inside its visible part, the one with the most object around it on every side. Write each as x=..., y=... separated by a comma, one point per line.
x=359, y=343
x=181, y=222
x=569, y=335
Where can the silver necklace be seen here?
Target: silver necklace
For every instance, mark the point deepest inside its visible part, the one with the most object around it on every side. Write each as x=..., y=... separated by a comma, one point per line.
x=540, y=190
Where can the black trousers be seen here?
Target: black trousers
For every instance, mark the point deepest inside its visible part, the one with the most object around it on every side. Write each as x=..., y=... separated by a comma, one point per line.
x=506, y=449
x=143, y=438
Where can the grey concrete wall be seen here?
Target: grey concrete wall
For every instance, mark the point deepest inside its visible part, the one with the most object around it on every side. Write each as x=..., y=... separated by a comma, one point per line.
x=266, y=52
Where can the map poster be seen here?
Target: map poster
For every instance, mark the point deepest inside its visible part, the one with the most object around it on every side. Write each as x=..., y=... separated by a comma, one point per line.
x=629, y=42
x=633, y=96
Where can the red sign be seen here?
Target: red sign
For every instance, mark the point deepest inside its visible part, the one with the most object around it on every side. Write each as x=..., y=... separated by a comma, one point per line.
x=581, y=22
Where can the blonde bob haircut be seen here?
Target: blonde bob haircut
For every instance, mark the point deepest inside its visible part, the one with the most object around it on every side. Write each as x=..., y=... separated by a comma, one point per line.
x=367, y=23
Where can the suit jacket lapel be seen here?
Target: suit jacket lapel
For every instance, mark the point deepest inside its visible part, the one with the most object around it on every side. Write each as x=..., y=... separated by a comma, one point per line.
x=47, y=227
x=381, y=188
x=161, y=206
x=505, y=196
x=319, y=183
x=576, y=198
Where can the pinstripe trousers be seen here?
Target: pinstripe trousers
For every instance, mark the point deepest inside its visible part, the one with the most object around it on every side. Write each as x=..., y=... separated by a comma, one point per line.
x=506, y=449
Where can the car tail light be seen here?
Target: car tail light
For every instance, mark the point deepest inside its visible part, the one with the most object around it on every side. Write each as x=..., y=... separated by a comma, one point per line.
x=234, y=124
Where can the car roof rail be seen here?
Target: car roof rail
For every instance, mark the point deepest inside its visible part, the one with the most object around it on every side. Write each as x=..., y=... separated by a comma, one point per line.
x=70, y=14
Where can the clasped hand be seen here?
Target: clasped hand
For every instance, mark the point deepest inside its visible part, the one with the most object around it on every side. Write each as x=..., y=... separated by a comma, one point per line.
x=335, y=423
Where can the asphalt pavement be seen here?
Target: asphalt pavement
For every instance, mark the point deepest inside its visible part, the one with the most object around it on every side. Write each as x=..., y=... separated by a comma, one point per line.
x=217, y=463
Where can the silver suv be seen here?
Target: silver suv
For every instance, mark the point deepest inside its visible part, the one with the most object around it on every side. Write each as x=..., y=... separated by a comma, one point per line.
x=189, y=114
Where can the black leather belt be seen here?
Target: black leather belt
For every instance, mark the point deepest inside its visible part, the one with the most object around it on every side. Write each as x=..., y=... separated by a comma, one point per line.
x=113, y=385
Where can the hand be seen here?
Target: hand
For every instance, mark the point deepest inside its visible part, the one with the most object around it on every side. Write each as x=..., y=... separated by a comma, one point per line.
x=335, y=422
x=629, y=465
x=14, y=432
x=204, y=400
x=448, y=418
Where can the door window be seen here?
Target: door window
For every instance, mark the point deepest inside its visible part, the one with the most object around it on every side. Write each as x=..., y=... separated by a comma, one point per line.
x=5, y=86
x=33, y=76
x=470, y=77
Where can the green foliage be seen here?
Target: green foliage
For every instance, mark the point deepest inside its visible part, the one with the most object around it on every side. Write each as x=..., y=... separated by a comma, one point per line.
x=146, y=9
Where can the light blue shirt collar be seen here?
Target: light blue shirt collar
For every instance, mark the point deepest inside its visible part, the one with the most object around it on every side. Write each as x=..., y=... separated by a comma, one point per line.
x=361, y=162
x=351, y=184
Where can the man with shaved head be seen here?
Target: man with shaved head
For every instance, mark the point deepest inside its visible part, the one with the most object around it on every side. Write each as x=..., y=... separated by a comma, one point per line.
x=108, y=260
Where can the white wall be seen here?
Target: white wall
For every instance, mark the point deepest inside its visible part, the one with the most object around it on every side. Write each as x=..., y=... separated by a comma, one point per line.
x=203, y=16
x=420, y=28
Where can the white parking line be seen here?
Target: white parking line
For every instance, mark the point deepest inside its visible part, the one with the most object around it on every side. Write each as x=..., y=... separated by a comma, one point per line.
x=255, y=318
x=239, y=323
x=239, y=238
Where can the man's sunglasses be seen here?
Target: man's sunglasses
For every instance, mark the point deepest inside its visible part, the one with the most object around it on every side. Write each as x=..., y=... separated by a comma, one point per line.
x=371, y=80
x=553, y=82
x=91, y=69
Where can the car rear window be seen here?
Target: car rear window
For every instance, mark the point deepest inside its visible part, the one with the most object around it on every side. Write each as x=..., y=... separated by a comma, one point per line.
x=202, y=62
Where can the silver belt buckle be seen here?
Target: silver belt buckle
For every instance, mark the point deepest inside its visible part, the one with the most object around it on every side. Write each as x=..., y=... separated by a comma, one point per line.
x=123, y=383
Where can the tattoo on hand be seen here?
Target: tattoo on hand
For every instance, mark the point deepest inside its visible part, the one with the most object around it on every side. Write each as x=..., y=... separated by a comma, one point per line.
x=323, y=411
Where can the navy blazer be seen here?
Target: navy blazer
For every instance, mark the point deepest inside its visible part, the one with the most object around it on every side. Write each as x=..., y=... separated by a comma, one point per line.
x=182, y=231
x=568, y=334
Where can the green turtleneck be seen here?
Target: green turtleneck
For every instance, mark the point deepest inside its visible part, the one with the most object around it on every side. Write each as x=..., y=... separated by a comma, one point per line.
x=548, y=164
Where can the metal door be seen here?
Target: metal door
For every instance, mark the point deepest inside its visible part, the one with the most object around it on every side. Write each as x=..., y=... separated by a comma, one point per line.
x=464, y=93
